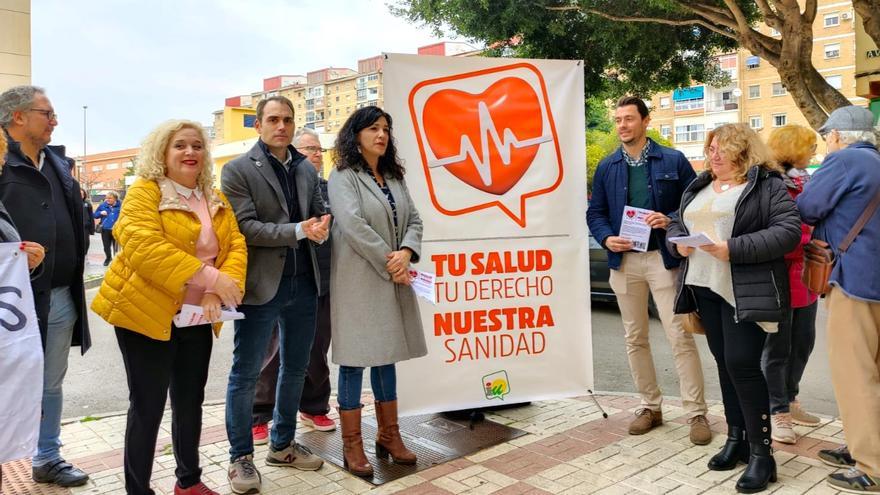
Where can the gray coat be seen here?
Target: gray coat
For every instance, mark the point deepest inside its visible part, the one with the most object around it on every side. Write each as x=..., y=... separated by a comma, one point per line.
x=374, y=320
x=260, y=207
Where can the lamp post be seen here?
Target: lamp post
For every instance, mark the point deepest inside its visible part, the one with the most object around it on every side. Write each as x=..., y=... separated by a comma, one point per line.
x=85, y=107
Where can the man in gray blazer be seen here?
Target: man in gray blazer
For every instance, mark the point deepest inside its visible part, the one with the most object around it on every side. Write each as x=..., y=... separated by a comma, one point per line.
x=277, y=200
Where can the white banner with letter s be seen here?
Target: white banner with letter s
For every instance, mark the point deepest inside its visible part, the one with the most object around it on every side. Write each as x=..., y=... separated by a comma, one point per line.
x=494, y=152
x=21, y=358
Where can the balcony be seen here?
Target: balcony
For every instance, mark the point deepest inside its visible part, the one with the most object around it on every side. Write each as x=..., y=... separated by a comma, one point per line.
x=722, y=105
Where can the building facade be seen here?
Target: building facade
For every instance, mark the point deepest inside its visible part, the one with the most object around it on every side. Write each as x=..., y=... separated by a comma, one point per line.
x=755, y=94
x=103, y=172
x=15, y=43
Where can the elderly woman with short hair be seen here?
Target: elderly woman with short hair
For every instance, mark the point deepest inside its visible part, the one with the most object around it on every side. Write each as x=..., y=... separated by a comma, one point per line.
x=108, y=213
x=787, y=351
x=738, y=284
x=180, y=245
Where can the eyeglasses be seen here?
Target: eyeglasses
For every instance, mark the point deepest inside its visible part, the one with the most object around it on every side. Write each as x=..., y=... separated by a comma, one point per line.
x=312, y=149
x=49, y=114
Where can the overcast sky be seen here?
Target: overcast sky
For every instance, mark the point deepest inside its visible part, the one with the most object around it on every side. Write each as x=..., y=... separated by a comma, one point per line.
x=135, y=63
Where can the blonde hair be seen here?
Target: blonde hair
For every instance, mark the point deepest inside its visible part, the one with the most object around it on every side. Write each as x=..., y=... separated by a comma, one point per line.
x=151, y=159
x=742, y=146
x=792, y=144
x=4, y=146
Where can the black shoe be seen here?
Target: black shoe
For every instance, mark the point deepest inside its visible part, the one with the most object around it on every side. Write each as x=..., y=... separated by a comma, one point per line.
x=760, y=472
x=61, y=473
x=854, y=481
x=735, y=450
x=838, y=457
x=107, y=262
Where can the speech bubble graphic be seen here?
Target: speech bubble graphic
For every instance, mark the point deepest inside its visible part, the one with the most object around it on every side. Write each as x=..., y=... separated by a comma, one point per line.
x=496, y=385
x=492, y=130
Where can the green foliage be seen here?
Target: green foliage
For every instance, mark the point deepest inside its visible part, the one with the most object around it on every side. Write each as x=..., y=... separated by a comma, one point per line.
x=619, y=57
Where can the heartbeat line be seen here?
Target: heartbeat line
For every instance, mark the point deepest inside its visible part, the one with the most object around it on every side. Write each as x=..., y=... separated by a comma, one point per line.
x=487, y=127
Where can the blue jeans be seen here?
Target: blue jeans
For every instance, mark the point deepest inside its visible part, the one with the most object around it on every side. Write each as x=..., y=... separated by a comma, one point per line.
x=293, y=307
x=62, y=318
x=383, y=379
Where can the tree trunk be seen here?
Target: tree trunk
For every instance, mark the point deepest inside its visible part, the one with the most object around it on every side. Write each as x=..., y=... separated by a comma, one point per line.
x=869, y=10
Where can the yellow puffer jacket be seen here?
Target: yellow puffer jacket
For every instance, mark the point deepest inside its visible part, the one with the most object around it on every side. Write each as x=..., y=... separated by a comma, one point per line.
x=144, y=287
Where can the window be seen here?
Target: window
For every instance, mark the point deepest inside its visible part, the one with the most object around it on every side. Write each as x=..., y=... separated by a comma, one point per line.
x=97, y=168
x=664, y=102
x=756, y=122
x=836, y=82
x=832, y=50
x=361, y=94
x=753, y=62
x=779, y=89
x=373, y=93
x=692, y=104
x=727, y=63
x=690, y=133
x=774, y=32
x=373, y=77
x=832, y=19
x=779, y=119
x=112, y=166
x=754, y=91
x=665, y=131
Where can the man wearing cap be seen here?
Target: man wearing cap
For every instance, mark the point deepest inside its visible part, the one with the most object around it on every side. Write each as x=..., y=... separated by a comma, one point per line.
x=833, y=201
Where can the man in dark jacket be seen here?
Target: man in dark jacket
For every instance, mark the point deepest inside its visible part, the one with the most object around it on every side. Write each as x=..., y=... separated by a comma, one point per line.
x=833, y=201
x=315, y=401
x=44, y=201
x=645, y=175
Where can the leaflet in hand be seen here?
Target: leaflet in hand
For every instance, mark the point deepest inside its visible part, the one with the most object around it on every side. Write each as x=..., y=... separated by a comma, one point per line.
x=191, y=315
x=634, y=228
x=423, y=283
x=694, y=240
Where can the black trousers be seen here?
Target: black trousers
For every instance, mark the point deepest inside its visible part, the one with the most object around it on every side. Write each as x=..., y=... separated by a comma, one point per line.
x=786, y=354
x=153, y=367
x=109, y=242
x=315, y=398
x=737, y=349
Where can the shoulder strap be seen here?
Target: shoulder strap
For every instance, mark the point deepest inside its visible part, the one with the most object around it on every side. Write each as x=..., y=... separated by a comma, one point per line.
x=860, y=224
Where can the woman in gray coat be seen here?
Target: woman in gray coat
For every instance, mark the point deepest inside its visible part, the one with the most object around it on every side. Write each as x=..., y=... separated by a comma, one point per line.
x=375, y=319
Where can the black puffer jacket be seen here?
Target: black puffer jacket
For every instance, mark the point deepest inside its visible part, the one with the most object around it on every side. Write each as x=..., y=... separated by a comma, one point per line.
x=766, y=226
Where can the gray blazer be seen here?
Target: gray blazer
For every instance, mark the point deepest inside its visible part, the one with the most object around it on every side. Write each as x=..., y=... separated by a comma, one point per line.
x=255, y=193
x=373, y=320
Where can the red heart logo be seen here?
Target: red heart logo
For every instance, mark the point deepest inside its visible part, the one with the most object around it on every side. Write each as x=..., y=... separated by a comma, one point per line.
x=484, y=139
x=630, y=213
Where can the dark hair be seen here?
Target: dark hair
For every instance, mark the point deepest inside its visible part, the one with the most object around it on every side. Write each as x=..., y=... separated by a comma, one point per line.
x=346, y=153
x=280, y=99
x=634, y=100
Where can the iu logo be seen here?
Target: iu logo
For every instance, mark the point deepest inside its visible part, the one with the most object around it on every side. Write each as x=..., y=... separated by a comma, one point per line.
x=491, y=130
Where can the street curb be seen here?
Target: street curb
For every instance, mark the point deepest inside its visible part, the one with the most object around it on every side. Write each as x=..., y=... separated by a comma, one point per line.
x=93, y=282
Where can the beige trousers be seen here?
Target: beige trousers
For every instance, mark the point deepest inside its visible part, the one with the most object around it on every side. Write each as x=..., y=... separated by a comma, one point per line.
x=640, y=273
x=854, y=352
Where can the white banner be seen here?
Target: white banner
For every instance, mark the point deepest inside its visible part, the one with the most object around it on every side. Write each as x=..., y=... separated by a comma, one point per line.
x=495, y=157
x=21, y=358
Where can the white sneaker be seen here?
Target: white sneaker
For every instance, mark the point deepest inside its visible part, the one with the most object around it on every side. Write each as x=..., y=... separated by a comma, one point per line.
x=243, y=476
x=782, y=428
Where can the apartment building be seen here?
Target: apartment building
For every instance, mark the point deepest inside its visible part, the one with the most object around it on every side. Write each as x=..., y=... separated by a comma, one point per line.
x=755, y=94
x=102, y=172
x=15, y=43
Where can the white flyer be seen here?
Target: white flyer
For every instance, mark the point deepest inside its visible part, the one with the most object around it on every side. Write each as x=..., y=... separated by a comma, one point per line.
x=694, y=240
x=634, y=228
x=423, y=283
x=191, y=315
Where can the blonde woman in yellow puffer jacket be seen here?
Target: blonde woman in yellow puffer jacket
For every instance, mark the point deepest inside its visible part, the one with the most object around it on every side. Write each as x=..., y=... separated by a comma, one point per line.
x=180, y=244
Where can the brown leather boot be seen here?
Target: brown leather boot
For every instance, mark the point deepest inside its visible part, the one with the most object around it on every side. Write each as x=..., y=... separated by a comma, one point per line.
x=353, y=455
x=388, y=440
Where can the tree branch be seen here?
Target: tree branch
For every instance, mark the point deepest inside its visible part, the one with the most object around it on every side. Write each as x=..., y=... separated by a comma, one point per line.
x=723, y=18
x=770, y=17
x=656, y=20
x=810, y=11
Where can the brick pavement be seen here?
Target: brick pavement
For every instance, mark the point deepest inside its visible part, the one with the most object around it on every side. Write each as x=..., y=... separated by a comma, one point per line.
x=570, y=449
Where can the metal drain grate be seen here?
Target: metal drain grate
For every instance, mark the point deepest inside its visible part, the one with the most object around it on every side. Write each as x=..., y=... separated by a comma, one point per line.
x=433, y=438
x=17, y=481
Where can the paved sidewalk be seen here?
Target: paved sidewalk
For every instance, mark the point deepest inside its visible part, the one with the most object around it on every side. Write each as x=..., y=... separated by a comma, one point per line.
x=570, y=449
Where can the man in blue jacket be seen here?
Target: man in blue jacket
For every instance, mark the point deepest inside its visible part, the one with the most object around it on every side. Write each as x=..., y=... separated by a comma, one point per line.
x=833, y=201
x=643, y=174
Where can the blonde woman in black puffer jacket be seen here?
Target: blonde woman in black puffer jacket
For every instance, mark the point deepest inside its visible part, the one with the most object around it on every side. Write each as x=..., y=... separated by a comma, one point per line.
x=738, y=284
